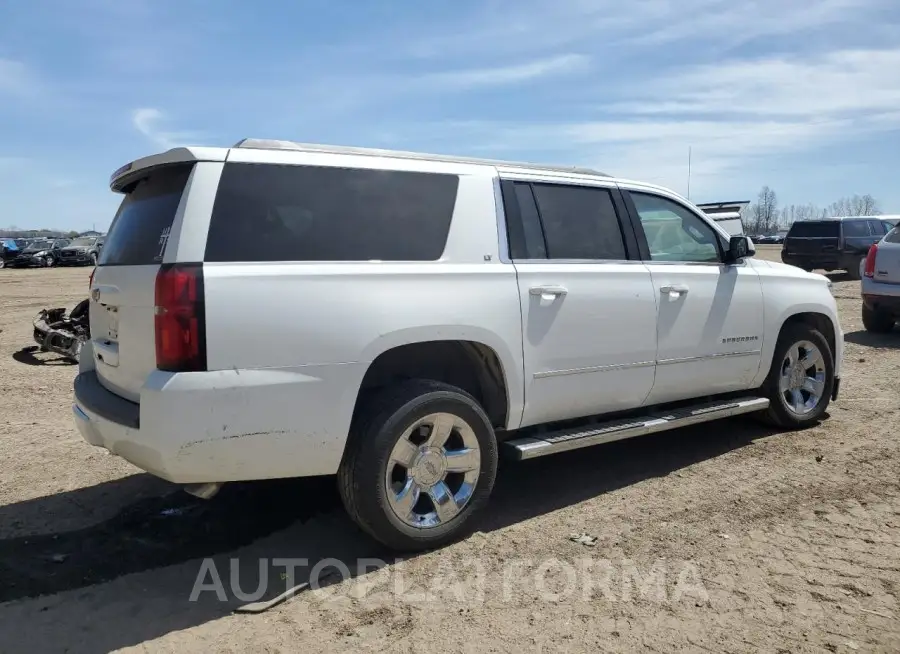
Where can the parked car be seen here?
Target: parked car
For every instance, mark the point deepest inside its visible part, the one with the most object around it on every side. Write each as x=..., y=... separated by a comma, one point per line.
x=94, y=251
x=881, y=284
x=39, y=252
x=892, y=221
x=80, y=251
x=400, y=319
x=9, y=250
x=832, y=243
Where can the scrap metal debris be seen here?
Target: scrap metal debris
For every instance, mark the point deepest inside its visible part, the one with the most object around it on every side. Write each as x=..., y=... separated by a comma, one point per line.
x=583, y=539
x=57, y=331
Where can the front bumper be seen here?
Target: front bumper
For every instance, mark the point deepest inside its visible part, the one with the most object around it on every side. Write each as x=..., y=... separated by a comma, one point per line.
x=73, y=260
x=24, y=261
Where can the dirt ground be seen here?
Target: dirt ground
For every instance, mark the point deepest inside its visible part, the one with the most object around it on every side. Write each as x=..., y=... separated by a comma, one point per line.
x=723, y=538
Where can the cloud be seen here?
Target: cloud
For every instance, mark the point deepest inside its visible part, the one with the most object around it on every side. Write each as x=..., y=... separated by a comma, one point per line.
x=841, y=82
x=16, y=79
x=503, y=75
x=504, y=28
x=148, y=122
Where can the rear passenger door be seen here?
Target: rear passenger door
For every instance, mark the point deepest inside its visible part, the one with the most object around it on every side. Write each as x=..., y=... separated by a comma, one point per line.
x=588, y=307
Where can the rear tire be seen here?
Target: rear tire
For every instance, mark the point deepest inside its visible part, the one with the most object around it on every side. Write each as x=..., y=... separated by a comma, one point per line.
x=854, y=271
x=800, y=380
x=877, y=322
x=402, y=445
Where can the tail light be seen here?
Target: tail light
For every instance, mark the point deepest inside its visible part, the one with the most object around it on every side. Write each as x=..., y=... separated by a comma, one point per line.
x=91, y=278
x=870, y=261
x=179, y=320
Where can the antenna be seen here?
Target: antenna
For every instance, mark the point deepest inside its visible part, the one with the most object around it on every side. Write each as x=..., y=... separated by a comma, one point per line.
x=689, y=173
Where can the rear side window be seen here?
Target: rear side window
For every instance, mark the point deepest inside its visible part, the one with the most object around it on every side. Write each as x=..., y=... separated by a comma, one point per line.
x=881, y=226
x=266, y=212
x=893, y=236
x=580, y=222
x=856, y=228
x=815, y=229
x=140, y=230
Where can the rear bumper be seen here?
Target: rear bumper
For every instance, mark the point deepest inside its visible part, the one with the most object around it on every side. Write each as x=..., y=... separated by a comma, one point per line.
x=879, y=296
x=224, y=425
x=821, y=261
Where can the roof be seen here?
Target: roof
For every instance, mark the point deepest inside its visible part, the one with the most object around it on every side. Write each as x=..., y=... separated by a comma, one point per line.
x=274, y=144
x=840, y=218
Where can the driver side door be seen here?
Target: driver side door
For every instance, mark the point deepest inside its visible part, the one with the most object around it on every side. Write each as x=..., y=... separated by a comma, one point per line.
x=709, y=313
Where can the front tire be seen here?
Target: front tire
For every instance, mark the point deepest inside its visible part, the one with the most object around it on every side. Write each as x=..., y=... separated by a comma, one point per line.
x=801, y=379
x=420, y=463
x=876, y=321
x=49, y=262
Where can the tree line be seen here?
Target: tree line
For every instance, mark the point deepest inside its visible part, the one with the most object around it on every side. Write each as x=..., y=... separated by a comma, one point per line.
x=15, y=232
x=766, y=217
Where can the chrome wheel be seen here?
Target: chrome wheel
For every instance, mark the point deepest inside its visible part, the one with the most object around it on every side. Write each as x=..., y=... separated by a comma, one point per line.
x=803, y=377
x=432, y=470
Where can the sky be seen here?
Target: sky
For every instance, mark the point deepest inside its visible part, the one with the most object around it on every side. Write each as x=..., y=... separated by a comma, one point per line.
x=800, y=95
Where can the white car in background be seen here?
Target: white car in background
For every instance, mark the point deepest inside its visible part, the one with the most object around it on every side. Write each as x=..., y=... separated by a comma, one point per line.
x=881, y=284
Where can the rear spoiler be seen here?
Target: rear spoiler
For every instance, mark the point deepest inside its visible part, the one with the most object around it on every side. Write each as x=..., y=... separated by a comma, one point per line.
x=130, y=171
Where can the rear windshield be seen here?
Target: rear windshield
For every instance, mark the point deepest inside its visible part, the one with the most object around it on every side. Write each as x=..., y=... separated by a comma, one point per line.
x=815, y=229
x=267, y=212
x=139, y=231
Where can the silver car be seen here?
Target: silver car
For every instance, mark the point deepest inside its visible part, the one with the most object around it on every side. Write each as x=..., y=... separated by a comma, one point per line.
x=881, y=284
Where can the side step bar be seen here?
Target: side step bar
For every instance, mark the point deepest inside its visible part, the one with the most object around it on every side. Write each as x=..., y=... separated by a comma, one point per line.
x=531, y=447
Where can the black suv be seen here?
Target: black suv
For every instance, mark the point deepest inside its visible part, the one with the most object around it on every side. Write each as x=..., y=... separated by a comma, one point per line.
x=832, y=243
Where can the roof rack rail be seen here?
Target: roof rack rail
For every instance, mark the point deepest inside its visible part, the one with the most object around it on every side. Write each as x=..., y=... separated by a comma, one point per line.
x=275, y=144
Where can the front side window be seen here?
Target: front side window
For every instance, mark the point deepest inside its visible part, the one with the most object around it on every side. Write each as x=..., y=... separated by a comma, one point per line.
x=675, y=233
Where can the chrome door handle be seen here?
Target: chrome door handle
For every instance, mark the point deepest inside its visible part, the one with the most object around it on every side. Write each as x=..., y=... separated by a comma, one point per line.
x=548, y=291
x=674, y=289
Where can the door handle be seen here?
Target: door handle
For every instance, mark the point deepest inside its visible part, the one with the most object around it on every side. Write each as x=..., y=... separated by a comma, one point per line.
x=675, y=290
x=548, y=291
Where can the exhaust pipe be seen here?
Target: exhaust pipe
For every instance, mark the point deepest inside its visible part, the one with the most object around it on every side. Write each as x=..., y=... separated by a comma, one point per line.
x=204, y=491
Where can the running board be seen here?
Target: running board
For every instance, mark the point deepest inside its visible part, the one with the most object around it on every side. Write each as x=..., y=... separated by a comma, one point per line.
x=531, y=447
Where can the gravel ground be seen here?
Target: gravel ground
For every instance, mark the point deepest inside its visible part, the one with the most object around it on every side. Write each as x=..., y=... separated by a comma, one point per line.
x=724, y=538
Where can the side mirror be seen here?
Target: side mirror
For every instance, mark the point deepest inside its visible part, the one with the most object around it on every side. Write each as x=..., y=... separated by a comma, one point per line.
x=739, y=247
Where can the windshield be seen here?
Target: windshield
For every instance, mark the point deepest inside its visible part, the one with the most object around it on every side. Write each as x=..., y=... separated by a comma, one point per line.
x=39, y=245
x=83, y=242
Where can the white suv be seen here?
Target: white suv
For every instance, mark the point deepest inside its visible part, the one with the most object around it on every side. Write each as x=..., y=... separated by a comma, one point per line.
x=277, y=309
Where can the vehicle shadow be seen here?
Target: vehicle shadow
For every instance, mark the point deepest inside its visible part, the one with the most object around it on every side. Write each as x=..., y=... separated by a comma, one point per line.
x=27, y=355
x=246, y=527
x=868, y=339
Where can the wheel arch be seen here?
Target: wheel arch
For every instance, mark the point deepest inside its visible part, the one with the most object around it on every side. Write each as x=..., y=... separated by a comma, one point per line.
x=816, y=317
x=483, y=369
